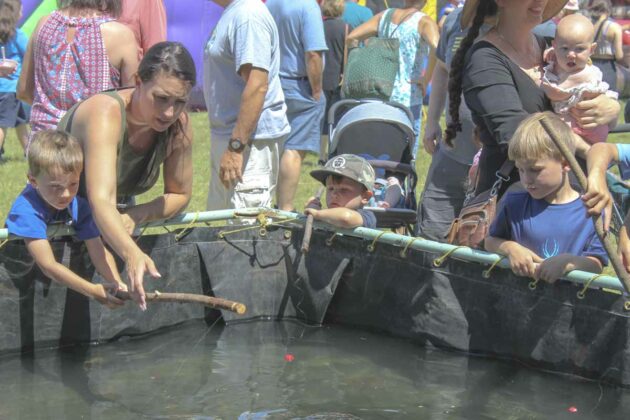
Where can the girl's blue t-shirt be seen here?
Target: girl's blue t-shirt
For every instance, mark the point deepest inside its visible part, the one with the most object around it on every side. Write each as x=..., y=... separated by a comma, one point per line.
x=15, y=49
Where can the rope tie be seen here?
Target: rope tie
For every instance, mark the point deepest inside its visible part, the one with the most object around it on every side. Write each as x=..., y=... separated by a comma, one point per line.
x=403, y=252
x=486, y=273
x=440, y=260
x=582, y=293
x=626, y=305
x=371, y=247
x=264, y=224
x=533, y=284
x=3, y=243
x=187, y=228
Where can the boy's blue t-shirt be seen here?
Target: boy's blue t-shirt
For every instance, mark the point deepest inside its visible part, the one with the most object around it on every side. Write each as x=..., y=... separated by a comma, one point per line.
x=547, y=229
x=30, y=216
x=14, y=50
x=369, y=218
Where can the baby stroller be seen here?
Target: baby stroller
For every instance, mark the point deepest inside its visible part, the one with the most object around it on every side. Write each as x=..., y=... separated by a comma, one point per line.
x=382, y=133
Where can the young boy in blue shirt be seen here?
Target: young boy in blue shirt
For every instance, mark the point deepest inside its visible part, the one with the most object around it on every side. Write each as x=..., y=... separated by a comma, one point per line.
x=349, y=180
x=55, y=161
x=545, y=231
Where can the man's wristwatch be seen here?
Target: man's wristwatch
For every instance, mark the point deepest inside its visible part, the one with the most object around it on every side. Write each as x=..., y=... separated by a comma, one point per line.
x=236, y=145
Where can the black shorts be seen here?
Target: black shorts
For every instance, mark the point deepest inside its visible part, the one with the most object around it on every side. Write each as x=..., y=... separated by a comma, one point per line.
x=13, y=112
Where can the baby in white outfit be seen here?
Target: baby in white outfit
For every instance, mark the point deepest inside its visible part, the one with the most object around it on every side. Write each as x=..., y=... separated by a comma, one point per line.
x=570, y=77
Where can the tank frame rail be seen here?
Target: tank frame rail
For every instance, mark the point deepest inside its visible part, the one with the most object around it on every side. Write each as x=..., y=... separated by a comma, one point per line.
x=375, y=236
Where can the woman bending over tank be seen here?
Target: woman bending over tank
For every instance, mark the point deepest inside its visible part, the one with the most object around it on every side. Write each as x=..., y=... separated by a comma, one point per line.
x=127, y=135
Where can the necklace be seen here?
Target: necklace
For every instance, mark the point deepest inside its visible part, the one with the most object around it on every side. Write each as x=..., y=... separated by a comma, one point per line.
x=535, y=69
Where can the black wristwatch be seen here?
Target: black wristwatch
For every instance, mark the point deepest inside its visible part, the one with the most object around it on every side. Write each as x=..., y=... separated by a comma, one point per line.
x=236, y=145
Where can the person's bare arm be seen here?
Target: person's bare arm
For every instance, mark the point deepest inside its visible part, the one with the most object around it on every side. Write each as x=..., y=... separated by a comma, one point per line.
x=437, y=101
x=314, y=70
x=364, y=31
x=616, y=34
x=597, y=197
x=252, y=100
x=26, y=83
x=340, y=217
x=428, y=30
x=43, y=256
x=554, y=268
x=104, y=262
x=98, y=123
x=122, y=50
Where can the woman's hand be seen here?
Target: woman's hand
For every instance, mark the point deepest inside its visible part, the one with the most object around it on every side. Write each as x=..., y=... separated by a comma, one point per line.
x=137, y=264
x=432, y=136
x=592, y=113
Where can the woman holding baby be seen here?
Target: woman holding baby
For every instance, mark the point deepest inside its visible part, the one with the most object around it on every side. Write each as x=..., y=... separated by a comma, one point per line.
x=501, y=75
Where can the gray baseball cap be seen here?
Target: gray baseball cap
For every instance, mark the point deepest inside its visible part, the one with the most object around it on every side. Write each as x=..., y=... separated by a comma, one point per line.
x=350, y=166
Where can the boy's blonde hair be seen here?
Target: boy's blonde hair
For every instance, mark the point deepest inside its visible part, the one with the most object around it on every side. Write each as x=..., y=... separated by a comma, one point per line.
x=531, y=141
x=54, y=151
x=333, y=8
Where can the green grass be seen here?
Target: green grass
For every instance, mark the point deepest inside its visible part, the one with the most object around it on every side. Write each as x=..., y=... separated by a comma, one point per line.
x=13, y=170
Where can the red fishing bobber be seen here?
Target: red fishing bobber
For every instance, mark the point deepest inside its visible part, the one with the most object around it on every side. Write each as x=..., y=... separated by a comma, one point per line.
x=572, y=409
x=289, y=357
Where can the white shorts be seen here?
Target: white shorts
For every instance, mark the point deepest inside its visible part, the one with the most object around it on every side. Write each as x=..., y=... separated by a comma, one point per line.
x=261, y=161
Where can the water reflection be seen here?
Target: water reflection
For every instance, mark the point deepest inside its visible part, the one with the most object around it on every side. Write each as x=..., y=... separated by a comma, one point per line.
x=286, y=370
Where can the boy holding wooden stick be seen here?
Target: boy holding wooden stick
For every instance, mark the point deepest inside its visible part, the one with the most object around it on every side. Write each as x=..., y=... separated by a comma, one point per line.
x=55, y=161
x=545, y=231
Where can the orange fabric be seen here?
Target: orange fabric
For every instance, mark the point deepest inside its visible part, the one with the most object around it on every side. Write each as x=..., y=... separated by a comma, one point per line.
x=147, y=20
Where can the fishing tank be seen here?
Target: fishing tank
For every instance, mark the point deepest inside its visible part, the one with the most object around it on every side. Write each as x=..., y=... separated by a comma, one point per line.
x=366, y=324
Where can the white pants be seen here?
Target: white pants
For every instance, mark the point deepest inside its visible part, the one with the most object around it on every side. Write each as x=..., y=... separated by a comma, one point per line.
x=261, y=161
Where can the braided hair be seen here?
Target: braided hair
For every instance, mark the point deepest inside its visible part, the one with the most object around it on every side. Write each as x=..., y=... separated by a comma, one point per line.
x=485, y=8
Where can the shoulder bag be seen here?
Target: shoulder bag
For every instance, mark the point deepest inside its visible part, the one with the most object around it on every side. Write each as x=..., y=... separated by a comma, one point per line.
x=372, y=68
x=475, y=218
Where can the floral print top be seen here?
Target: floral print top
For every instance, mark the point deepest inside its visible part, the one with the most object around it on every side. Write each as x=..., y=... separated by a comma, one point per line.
x=68, y=72
x=413, y=54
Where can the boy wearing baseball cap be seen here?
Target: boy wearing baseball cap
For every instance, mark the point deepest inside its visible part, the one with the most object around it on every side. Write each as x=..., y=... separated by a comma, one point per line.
x=349, y=180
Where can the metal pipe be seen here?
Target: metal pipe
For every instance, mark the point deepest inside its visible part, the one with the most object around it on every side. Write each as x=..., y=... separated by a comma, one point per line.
x=389, y=238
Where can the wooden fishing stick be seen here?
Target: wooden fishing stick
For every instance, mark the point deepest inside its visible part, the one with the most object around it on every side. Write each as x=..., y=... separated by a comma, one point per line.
x=210, y=301
x=622, y=274
x=308, y=226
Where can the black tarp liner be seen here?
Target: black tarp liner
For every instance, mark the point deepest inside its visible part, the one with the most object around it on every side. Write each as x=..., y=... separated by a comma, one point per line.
x=452, y=306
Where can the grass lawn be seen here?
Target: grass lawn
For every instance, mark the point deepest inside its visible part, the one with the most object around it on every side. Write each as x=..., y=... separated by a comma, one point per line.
x=13, y=170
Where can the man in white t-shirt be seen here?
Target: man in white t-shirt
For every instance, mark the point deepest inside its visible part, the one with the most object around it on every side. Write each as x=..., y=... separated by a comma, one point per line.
x=246, y=107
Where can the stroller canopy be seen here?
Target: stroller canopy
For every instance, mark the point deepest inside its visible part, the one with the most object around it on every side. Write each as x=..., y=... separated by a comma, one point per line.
x=373, y=126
